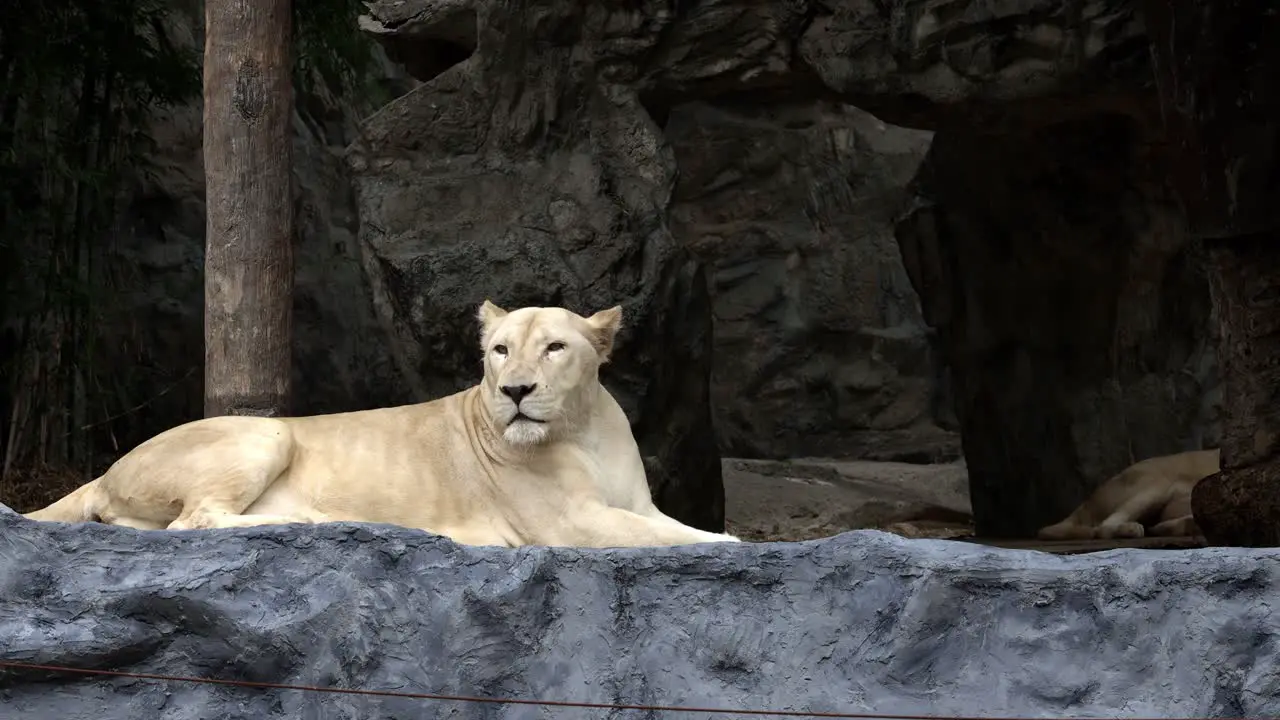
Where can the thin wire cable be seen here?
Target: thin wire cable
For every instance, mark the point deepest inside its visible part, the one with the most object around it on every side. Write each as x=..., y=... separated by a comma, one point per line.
x=508, y=701
x=464, y=698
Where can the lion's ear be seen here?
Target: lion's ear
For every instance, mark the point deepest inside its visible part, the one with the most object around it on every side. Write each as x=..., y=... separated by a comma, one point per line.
x=490, y=314
x=604, y=328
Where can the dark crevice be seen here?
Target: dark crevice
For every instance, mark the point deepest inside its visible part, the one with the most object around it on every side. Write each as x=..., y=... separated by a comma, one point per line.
x=658, y=105
x=428, y=51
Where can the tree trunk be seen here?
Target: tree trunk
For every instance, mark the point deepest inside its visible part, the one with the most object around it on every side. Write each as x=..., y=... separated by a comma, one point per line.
x=248, y=106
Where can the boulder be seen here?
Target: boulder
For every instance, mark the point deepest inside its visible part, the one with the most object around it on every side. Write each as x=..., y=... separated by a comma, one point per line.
x=1241, y=504
x=862, y=622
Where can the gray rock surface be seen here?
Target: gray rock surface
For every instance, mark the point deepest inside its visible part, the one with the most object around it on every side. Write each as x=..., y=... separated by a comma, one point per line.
x=818, y=333
x=862, y=622
x=936, y=61
x=570, y=136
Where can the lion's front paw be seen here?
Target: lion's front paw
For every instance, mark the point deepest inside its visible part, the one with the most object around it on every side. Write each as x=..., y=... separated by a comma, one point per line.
x=1121, y=530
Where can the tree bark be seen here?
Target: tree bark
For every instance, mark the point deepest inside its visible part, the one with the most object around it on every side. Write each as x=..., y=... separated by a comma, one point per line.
x=248, y=107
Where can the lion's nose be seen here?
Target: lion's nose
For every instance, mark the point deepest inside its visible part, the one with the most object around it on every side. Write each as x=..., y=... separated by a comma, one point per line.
x=517, y=392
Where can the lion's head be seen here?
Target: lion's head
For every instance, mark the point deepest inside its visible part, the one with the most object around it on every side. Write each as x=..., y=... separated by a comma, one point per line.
x=541, y=368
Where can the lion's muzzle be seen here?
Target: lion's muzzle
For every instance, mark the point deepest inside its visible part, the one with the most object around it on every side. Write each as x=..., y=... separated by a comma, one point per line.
x=518, y=392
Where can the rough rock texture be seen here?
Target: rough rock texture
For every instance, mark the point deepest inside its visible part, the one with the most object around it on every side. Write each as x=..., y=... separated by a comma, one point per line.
x=551, y=142
x=850, y=367
x=1220, y=85
x=926, y=62
x=1072, y=306
x=818, y=333
x=863, y=622
x=339, y=361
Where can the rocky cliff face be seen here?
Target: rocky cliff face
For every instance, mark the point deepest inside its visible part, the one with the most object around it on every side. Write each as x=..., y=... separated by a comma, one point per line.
x=800, y=324
x=707, y=165
x=1069, y=305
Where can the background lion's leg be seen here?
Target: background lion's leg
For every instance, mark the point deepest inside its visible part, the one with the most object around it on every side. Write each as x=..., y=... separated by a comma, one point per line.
x=1184, y=526
x=1123, y=521
x=1068, y=529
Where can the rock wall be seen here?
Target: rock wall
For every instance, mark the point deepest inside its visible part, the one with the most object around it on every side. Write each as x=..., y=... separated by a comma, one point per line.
x=861, y=622
x=1073, y=306
x=704, y=165
x=818, y=333
x=776, y=184
x=340, y=357
x=386, y=317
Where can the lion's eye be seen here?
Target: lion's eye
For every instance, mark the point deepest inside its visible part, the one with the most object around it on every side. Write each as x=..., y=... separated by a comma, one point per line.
x=555, y=346
x=500, y=349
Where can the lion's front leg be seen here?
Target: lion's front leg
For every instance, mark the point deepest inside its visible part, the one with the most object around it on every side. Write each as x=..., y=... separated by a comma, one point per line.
x=654, y=513
x=604, y=526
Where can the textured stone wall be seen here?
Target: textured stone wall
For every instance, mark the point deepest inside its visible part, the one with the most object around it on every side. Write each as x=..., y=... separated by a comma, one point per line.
x=862, y=622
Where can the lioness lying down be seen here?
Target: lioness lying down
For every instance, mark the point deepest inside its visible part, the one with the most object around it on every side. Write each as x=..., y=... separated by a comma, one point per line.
x=538, y=453
x=1150, y=497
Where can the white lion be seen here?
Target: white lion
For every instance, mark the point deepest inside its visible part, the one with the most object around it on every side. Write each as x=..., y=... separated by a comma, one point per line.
x=538, y=453
x=1151, y=497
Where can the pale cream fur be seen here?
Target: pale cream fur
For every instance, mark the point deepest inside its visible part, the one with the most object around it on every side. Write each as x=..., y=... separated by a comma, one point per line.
x=1151, y=497
x=564, y=471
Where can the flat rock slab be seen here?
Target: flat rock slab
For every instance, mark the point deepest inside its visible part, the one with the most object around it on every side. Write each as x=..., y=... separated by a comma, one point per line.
x=860, y=622
x=811, y=498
